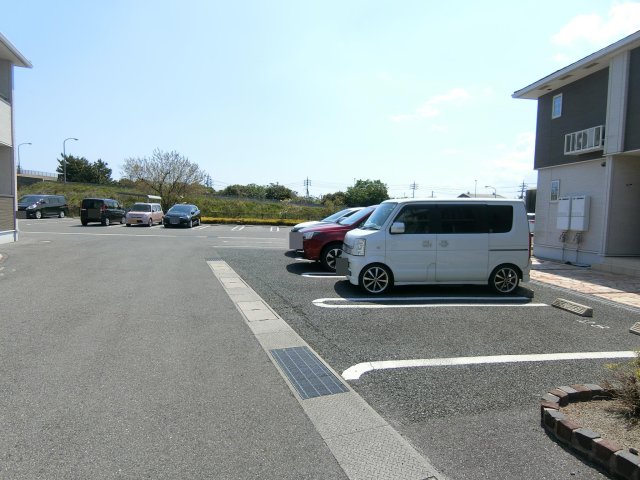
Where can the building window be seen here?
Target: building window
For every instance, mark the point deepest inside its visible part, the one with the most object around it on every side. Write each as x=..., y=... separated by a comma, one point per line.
x=555, y=190
x=556, y=106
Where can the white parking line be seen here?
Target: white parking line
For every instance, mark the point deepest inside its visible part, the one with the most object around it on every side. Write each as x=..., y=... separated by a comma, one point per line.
x=384, y=302
x=322, y=275
x=237, y=228
x=274, y=229
x=356, y=371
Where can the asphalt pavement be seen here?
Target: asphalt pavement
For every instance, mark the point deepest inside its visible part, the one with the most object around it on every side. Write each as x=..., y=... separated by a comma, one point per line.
x=100, y=384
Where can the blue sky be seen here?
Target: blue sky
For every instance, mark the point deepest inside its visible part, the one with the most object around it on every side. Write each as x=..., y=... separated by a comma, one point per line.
x=284, y=91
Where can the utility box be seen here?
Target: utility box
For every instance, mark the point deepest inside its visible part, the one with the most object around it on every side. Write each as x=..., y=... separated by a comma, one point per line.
x=564, y=213
x=579, y=221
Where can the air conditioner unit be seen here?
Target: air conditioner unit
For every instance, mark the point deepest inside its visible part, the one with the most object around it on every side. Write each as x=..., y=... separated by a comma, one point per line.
x=584, y=141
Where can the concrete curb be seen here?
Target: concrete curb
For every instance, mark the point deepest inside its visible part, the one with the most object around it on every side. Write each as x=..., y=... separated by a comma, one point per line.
x=607, y=454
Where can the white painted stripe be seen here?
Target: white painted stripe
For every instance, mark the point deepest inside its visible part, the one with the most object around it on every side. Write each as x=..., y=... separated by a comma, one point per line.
x=322, y=275
x=253, y=238
x=356, y=371
x=237, y=228
x=374, y=302
x=143, y=235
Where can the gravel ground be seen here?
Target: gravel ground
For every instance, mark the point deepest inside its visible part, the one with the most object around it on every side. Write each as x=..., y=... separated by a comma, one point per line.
x=602, y=417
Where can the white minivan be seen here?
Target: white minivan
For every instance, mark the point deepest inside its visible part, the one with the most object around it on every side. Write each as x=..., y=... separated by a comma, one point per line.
x=435, y=241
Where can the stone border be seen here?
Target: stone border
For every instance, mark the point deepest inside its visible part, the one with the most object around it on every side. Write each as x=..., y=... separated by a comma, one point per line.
x=607, y=454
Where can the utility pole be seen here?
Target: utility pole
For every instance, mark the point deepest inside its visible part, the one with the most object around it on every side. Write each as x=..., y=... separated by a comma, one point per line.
x=523, y=187
x=413, y=187
x=307, y=183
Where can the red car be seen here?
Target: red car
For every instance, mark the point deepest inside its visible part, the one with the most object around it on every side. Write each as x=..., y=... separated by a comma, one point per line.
x=324, y=242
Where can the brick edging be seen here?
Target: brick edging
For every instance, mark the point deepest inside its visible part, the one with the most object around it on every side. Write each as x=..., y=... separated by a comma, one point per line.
x=607, y=454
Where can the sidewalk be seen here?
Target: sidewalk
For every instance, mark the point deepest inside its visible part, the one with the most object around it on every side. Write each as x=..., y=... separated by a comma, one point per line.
x=614, y=287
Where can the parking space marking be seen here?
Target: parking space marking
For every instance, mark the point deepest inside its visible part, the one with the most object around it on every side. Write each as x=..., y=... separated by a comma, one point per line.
x=322, y=275
x=274, y=229
x=356, y=371
x=140, y=235
x=237, y=228
x=396, y=302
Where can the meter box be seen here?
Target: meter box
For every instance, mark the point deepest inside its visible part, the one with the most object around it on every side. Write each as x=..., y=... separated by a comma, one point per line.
x=564, y=213
x=579, y=221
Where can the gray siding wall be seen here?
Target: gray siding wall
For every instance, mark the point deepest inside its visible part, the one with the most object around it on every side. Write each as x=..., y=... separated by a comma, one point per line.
x=632, y=129
x=584, y=105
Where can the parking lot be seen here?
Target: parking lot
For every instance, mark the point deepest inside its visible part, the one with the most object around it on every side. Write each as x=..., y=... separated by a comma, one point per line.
x=456, y=371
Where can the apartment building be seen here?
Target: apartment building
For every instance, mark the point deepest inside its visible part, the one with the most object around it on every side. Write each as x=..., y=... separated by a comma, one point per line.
x=10, y=57
x=587, y=155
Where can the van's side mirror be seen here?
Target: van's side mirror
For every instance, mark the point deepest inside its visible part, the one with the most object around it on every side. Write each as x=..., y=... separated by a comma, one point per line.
x=397, y=227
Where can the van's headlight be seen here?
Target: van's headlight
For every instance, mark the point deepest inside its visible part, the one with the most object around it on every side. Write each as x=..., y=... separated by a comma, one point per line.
x=308, y=235
x=359, y=247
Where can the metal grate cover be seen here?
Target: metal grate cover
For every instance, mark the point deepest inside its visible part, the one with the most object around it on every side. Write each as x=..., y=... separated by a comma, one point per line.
x=307, y=373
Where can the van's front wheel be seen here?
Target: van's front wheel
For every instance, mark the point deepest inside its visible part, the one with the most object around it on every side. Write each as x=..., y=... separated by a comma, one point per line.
x=504, y=279
x=375, y=279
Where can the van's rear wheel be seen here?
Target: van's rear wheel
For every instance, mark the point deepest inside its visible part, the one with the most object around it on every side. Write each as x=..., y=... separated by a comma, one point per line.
x=375, y=279
x=106, y=222
x=504, y=279
x=61, y=214
x=329, y=255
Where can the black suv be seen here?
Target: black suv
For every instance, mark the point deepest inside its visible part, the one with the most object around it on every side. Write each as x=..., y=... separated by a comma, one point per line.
x=103, y=210
x=38, y=206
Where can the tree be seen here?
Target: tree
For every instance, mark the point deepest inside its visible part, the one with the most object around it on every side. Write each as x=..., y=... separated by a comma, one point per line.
x=251, y=191
x=101, y=172
x=166, y=174
x=279, y=192
x=365, y=193
x=79, y=169
x=333, y=200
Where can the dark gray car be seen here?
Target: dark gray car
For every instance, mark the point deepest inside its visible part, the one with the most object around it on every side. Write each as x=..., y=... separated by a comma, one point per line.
x=38, y=206
x=103, y=210
x=182, y=214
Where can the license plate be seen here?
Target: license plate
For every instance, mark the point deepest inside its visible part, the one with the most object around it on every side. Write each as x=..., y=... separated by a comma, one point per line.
x=175, y=221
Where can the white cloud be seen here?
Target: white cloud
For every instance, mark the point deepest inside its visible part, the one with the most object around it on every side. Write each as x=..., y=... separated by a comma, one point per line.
x=432, y=107
x=622, y=19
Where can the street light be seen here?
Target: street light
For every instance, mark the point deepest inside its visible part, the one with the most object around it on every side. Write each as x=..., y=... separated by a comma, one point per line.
x=494, y=190
x=19, y=145
x=64, y=156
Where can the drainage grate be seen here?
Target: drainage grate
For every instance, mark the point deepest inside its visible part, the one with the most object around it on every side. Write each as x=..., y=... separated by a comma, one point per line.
x=307, y=373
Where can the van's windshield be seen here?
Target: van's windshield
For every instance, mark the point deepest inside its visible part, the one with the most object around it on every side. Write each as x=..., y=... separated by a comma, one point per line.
x=30, y=199
x=379, y=216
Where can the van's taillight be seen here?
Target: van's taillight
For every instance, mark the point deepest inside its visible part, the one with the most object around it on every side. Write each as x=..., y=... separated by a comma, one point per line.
x=530, y=243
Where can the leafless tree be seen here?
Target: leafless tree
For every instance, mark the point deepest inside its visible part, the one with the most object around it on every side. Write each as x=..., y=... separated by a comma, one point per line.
x=166, y=174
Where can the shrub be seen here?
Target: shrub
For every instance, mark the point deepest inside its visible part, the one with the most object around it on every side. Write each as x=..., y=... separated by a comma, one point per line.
x=625, y=387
